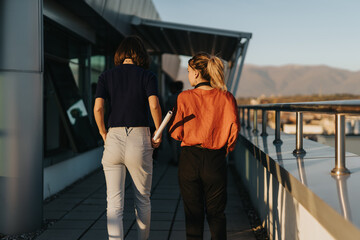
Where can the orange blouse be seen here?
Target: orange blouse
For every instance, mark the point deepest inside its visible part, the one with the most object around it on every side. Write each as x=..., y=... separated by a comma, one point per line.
x=208, y=118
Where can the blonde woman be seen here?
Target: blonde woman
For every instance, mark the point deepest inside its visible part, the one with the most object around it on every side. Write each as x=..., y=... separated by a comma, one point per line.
x=206, y=122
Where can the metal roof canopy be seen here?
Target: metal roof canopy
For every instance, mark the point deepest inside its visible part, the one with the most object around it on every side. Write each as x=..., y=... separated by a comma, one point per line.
x=180, y=39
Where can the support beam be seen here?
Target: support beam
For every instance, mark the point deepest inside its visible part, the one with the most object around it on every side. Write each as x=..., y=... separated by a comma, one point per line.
x=236, y=83
x=190, y=43
x=168, y=41
x=234, y=68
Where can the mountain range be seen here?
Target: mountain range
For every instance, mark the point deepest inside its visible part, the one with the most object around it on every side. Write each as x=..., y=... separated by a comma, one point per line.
x=290, y=80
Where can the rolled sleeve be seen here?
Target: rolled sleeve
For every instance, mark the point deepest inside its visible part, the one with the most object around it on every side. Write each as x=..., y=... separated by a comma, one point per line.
x=234, y=127
x=176, y=128
x=151, y=86
x=101, y=90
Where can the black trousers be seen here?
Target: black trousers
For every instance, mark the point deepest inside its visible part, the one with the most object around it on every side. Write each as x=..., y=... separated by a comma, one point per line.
x=203, y=181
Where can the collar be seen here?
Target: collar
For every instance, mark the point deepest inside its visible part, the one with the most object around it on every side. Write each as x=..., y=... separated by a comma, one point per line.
x=203, y=84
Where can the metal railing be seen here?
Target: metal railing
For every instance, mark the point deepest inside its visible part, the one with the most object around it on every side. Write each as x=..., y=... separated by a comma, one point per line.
x=338, y=108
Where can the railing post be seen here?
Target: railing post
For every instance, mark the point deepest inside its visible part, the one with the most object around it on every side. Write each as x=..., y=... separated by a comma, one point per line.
x=277, y=128
x=299, y=150
x=255, y=128
x=263, y=124
x=248, y=119
x=243, y=117
x=340, y=168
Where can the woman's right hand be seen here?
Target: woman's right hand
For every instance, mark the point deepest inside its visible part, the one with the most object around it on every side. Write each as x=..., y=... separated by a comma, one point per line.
x=156, y=143
x=103, y=135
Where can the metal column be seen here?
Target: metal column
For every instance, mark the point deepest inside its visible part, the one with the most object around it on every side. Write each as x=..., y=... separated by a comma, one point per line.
x=248, y=125
x=242, y=116
x=21, y=116
x=255, y=124
x=340, y=168
x=263, y=124
x=277, y=128
x=299, y=150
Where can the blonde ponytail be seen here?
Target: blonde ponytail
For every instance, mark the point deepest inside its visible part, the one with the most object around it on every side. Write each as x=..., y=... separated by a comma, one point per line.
x=211, y=69
x=215, y=68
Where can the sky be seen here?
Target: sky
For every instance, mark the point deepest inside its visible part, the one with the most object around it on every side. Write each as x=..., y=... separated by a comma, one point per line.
x=307, y=32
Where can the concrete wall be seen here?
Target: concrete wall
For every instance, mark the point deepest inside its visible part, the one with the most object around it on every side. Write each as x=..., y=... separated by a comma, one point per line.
x=61, y=175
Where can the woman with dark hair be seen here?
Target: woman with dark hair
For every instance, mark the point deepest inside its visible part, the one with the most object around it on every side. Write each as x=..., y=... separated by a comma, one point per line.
x=130, y=90
x=207, y=124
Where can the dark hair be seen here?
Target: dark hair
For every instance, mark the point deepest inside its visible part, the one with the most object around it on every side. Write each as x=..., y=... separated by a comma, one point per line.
x=211, y=68
x=176, y=87
x=132, y=47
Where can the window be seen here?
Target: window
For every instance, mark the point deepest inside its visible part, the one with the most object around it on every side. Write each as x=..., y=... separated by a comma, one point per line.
x=70, y=116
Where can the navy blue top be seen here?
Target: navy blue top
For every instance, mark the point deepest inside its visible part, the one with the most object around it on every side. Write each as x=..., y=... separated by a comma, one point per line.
x=127, y=87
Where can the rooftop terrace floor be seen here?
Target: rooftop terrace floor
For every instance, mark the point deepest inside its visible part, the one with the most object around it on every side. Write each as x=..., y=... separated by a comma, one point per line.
x=80, y=211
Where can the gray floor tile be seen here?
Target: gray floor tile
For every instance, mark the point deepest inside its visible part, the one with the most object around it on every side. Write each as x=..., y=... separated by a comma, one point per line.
x=163, y=205
x=244, y=235
x=132, y=235
x=74, y=195
x=54, y=214
x=95, y=234
x=239, y=224
x=181, y=235
x=173, y=192
x=163, y=196
x=178, y=235
x=178, y=226
x=90, y=207
x=59, y=206
x=60, y=234
x=102, y=224
x=72, y=224
x=99, y=195
x=95, y=201
x=154, y=235
x=91, y=193
x=162, y=216
x=158, y=235
x=160, y=225
x=180, y=217
x=63, y=199
x=83, y=215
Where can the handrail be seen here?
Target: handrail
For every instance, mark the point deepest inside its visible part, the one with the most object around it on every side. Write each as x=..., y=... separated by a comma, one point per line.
x=342, y=106
x=339, y=108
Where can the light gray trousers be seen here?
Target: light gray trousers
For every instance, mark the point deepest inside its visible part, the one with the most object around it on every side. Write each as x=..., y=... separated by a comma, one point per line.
x=128, y=148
